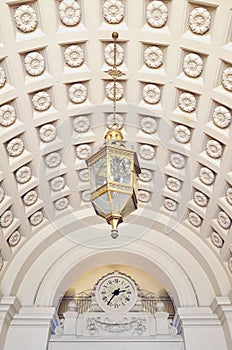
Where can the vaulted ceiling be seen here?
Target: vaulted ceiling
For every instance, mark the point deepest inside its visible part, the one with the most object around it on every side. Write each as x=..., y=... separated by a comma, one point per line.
x=173, y=105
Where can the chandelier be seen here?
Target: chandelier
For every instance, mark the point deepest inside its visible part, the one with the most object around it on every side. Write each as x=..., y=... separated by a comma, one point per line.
x=114, y=170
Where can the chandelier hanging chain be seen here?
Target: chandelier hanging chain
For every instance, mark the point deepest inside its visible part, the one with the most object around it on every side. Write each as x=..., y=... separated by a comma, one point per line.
x=114, y=73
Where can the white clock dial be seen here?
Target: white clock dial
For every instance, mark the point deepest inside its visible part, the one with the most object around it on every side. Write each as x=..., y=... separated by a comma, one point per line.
x=116, y=292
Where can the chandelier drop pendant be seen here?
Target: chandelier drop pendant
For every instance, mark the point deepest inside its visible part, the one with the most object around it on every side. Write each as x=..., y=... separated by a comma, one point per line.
x=114, y=169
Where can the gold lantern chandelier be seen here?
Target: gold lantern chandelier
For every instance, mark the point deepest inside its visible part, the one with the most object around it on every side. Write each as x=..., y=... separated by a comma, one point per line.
x=114, y=170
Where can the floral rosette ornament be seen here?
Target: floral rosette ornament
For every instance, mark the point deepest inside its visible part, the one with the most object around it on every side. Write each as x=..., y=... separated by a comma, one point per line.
x=153, y=57
x=14, y=239
x=7, y=115
x=221, y=117
x=70, y=12
x=81, y=124
x=227, y=79
x=157, y=14
x=199, y=20
x=15, y=147
x=23, y=174
x=151, y=93
x=214, y=149
x=34, y=63
x=41, y=101
x=187, y=102
x=78, y=93
x=47, y=133
x=193, y=65
x=53, y=159
x=113, y=11
x=206, y=176
x=2, y=77
x=74, y=56
x=25, y=19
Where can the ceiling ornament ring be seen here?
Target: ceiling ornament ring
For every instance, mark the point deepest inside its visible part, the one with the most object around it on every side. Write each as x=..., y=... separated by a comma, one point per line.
x=177, y=160
x=86, y=196
x=14, y=238
x=145, y=175
x=7, y=115
x=113, y=11
x=144, y=196
x=199, y=20
x=229, y=195
x=182, y=134
x=47, y=133
x=34, y=63
x=216, y=239
x=153, y=57
x=118, y=93
x=170, y=204
x=25, y=19
x=53, y=159
x=200, y=199
x=69, y=12
x=227, y=79
x=147, y=152
x=109, y=54
x=187, y=102
x=81, y=124
x=41, y=101
x=57, y=183
x=157, y=14
x=114, y=121
x=148, y=125
x=61, y=203
x=174, y=184
x=83, y=151
x=151, y=93
x=2, y=194
x=78, y=93
x=194, y=219
x=206, y=176
x=214, y=149
x=6, y=219
x=23, y=174
x=36, y=218
x=2, y=77
x=30, y=198
x=193, y=65
x=15, y=147
x=74, y=56
x=221, y=117
x=224, y=220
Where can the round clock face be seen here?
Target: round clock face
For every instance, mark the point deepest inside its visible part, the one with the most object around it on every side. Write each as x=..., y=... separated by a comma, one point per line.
x=116, y=292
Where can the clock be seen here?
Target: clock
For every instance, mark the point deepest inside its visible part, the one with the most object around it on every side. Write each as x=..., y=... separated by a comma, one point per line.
x=116, y=292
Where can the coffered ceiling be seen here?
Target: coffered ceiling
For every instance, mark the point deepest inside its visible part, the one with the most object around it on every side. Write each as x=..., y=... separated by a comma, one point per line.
x=173, y=105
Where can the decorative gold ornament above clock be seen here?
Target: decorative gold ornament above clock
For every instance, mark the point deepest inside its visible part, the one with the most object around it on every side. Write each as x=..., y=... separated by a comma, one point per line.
x=116, y=292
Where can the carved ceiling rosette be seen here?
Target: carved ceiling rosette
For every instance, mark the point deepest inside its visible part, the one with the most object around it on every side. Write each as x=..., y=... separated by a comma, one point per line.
x=25, y=19
x=199, y=20
x=7, y=115
x=157, y=14
x=69, y=12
